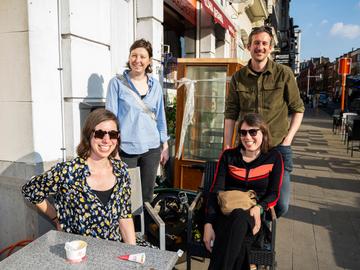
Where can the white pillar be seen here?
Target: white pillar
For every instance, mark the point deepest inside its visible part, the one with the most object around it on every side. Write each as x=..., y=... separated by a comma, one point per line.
x=149, y=26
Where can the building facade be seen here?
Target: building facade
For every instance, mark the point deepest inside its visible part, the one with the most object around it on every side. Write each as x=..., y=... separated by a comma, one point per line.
x=321, y=75
x=57, y=57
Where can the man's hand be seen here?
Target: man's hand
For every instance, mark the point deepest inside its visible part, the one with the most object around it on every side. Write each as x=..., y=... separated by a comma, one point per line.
x=295, y=123
x=228, y=133
x=287, y=141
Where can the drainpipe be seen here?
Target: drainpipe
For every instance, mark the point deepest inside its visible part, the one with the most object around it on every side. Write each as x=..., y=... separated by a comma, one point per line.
x=198, y=17
x=134, y=19
x=60, y=69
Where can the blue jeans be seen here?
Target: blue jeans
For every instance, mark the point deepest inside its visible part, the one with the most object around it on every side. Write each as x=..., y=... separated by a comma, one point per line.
x=282, y=205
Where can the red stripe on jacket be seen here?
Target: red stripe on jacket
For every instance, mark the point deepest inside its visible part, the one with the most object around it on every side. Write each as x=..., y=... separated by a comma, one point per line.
x=282, y=175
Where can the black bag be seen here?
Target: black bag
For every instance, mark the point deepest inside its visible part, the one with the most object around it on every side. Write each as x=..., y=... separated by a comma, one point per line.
x=172, y=206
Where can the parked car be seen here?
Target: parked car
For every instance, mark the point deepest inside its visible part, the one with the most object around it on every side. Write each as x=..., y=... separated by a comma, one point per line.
x=323, y=99
x=355, y=106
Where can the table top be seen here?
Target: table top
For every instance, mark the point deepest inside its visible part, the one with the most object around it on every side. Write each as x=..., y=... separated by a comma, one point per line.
x=47, y=252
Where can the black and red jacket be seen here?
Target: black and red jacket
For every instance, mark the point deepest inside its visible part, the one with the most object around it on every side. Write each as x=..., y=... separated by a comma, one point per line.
x=263, y=175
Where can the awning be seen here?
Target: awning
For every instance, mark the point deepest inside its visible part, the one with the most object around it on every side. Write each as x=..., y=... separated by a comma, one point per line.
x=187, y=8
x=353, y=81
x=214, y=10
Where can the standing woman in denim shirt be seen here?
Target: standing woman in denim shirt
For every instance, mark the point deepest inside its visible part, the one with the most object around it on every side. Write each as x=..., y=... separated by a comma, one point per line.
x=137, y=99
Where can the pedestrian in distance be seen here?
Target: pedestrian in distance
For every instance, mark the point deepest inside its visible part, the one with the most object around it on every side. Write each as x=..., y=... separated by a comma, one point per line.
x=270, y=89
x=249, y=166
x=92, y=191
x=136, y=98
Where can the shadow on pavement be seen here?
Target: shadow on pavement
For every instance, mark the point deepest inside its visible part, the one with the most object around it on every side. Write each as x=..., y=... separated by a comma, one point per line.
x=339, y=223
x=329, y=183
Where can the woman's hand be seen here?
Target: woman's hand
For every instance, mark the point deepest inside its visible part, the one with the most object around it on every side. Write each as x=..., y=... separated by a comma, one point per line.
x=57, y=225
x=49, y=210
x=209, y=236
x=255, y=212
x=164, y=153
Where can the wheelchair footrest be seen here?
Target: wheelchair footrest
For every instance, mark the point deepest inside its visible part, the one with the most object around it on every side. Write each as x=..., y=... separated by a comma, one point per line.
x=262, y=257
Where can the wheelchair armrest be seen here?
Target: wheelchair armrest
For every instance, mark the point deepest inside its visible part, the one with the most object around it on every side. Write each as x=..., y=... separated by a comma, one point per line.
x=193, y=204
x=158, y=220
x=273, y=227
x=190, y=216
x=273, y=214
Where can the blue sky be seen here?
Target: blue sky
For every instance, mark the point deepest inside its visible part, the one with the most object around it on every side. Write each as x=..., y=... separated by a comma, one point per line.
x=329, y=28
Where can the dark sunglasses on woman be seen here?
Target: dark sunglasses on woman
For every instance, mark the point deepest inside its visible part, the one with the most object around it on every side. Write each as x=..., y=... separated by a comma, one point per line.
x=252, y=132
x=100, y=134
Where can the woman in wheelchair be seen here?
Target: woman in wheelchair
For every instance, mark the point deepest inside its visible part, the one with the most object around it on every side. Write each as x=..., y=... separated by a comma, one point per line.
x=249, y=166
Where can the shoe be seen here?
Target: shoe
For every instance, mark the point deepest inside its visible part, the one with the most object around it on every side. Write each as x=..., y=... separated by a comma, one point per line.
x=253, y=267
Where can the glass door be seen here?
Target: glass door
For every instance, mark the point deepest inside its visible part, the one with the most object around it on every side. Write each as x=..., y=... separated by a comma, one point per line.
x=204, y=137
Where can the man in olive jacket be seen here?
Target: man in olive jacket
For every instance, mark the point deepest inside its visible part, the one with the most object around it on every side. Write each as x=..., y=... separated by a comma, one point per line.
x=269, y=89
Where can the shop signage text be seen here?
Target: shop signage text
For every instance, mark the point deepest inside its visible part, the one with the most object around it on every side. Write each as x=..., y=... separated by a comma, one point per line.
x=218, y=15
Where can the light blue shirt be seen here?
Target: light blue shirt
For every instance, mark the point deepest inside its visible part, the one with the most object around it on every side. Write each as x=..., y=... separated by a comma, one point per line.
x=139, y=132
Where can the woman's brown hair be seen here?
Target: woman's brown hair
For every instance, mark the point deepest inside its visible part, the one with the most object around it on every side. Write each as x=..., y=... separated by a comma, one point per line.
x=142, y=43
x=256, y=120
x=94, y=118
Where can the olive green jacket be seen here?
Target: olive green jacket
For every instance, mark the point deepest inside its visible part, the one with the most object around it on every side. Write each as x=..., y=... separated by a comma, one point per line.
x=273, y=94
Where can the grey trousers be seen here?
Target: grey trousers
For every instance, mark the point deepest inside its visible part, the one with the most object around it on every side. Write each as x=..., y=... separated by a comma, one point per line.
x=148, y=163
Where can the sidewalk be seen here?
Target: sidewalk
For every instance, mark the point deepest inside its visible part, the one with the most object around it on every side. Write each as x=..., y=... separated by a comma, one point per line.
x=322, y=228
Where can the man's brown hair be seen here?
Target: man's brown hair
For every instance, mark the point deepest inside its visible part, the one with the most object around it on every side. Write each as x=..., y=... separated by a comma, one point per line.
x=261, y=29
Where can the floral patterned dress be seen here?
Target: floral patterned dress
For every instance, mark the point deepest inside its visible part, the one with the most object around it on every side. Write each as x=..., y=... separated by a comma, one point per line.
x=79, y=210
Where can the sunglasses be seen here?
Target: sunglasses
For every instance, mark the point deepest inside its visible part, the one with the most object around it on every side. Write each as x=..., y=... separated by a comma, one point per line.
x=100, y=134
x=252, y=132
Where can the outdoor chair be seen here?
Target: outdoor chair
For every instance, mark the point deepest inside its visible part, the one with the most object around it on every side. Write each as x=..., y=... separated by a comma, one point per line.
x=354, y=135
x=337, y=115
x=348, y=124
x=264, y=254
x=343, y=123
x=137, y=208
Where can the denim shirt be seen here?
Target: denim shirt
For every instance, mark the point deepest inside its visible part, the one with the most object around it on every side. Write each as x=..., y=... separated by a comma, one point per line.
x=139, y=132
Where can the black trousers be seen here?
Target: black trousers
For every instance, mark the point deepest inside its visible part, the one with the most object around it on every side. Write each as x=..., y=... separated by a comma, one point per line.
x=233, y=239
x=148, y=163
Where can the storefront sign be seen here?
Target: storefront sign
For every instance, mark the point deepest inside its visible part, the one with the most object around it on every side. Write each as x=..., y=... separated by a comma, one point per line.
x=187, y=8
x=212, y=7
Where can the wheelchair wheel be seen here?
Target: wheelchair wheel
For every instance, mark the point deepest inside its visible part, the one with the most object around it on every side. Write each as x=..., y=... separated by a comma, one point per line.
x=174, y=213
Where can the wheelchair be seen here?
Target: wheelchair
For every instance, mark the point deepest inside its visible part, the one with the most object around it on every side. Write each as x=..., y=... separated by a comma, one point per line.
x=262, y=253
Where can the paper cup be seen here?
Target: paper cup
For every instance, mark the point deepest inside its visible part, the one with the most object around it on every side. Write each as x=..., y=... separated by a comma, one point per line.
x=75, y=250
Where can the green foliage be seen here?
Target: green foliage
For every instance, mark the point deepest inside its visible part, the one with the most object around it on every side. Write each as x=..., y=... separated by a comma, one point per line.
x=170, y=112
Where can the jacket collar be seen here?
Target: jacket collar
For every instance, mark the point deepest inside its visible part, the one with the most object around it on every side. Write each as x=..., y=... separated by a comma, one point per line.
x=269, y=68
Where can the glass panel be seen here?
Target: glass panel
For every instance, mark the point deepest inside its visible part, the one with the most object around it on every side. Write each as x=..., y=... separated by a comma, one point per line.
x=204, y=137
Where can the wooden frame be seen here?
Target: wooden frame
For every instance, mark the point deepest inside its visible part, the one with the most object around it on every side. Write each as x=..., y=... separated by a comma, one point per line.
x=188, y=172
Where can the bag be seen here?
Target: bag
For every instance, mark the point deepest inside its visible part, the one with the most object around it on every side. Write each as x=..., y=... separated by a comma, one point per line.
x=234, y=199
x=141, y=103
